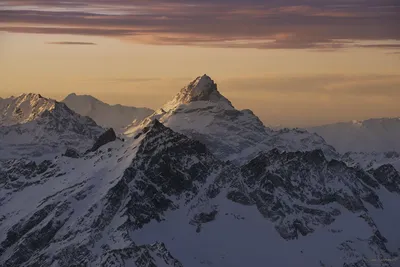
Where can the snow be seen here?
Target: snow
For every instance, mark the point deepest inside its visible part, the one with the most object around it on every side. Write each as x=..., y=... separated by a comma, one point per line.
x=257, y=241
x=94, y=175
x=372, y=160
x=239, y=236
x=388, y=218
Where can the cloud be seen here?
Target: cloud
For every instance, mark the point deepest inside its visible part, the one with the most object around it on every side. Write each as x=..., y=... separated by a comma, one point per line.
x=390, y=46
x=72, y=43
x=284, y=24
x=128, y=80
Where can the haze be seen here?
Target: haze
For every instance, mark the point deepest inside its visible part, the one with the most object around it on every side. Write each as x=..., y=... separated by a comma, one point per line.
x=293, y=65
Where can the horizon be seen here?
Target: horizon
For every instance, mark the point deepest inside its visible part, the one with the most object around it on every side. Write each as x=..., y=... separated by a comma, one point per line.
x=61, y=98
x=294, y=64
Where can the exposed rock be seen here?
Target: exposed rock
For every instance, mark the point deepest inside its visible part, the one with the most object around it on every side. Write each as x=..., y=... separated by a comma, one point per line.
x=310, y=179
x=71, y=153
x=388, y=176
x=202, y=218
x=107, y=137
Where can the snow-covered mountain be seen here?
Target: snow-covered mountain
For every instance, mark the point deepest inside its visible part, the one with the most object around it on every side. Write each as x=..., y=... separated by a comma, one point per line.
x=163, y=199
x=109, y=116
x=202, y=113
x=198, y=183
x=373, y=135
x=31, y=125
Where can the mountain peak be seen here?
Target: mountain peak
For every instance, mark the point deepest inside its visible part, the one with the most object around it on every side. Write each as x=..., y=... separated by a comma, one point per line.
x=24, y=108
x=205, y=79
x=71, y=95
x=30, y=96
x=203, y=88
x=87, y=98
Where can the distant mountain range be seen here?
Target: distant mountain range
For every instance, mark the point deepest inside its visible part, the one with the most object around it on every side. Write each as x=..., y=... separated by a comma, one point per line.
x=114, y=116
x=373, y=135
x=196, y=183
x=366, y=143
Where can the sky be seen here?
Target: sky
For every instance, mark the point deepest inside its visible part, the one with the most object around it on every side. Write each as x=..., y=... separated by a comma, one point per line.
x=294, y=63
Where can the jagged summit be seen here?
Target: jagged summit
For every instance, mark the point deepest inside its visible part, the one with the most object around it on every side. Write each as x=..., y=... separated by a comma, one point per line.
x=29, y=95
x=202, y=113
x=203, y=88
x=41, y=126
x=24, y=108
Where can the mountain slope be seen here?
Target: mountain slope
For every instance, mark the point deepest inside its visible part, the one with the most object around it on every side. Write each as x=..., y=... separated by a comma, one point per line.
x=372, y=160
x=202, y=113
x=31, y=125
x=110, y=116
x=92, y=203
x=163, y=199
x=373, y=135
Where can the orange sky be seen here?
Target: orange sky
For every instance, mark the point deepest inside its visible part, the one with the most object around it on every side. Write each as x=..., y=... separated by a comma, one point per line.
x=285, y=86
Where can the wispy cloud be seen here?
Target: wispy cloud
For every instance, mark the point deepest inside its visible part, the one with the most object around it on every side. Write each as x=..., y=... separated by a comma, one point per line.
x=284, y=24
x=390, y=46
x=71, y=43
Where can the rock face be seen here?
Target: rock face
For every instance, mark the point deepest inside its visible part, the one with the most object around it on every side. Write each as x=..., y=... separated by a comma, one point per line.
x=165, y=200
x=388, y=177
x=105, y=138
x=273, y=180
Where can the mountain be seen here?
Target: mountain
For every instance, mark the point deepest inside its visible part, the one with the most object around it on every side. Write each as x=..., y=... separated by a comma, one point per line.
x=109, y=116
x=373, y=135
x=201, y=112
x=197, y=183
x=31, y=125
x=163, y=199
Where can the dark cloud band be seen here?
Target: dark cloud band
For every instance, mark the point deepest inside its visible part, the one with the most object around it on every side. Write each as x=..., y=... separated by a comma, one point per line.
x=220, y=23
x=71, y=43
